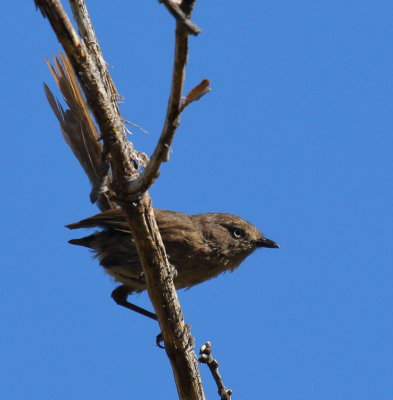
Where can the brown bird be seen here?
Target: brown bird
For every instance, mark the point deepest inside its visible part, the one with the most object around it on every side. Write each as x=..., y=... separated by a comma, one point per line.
x=199, y=247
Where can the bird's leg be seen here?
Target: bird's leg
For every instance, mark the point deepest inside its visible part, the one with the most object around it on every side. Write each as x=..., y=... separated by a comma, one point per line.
x=120, y=294
x=159, y=340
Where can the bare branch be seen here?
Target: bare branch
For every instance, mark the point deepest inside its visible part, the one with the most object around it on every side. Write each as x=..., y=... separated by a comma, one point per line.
x=162, y=150
x=207, y=358
x=138, y=210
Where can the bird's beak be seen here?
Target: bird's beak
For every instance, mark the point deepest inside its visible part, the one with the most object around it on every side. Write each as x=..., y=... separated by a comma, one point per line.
x=265, y=242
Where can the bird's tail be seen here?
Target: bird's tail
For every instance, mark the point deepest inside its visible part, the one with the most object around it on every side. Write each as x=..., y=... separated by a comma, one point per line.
x=77, y=125
x=85, y=241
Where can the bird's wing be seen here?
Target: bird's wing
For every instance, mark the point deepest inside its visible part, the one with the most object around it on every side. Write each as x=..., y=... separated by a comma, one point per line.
x=169, y=222
x=111, y=219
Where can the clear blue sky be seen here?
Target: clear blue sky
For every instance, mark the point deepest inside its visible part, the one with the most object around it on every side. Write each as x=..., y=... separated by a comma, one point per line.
x=296, y=137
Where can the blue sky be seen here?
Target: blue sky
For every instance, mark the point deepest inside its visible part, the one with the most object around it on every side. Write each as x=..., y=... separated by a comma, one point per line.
x=295, y=137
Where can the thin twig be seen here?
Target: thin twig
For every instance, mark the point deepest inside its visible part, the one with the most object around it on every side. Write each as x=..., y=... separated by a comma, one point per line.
x=161, y=152
x=207, y=358
x=174, y=8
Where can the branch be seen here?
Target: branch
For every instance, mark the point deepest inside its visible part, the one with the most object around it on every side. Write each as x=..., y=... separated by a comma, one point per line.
x=98, y=99
x=138, y=210
x=162, y=150
x=207, y=358
x=174, y=8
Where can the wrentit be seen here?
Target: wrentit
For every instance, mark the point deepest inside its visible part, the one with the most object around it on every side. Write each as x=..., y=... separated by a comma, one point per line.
x=199, y=247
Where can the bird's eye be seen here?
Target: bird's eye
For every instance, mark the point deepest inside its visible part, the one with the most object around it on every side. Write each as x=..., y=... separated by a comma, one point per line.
x=237, y=233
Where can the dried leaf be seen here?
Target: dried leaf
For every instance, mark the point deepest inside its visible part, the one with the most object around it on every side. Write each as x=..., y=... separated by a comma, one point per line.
x=196, y=93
